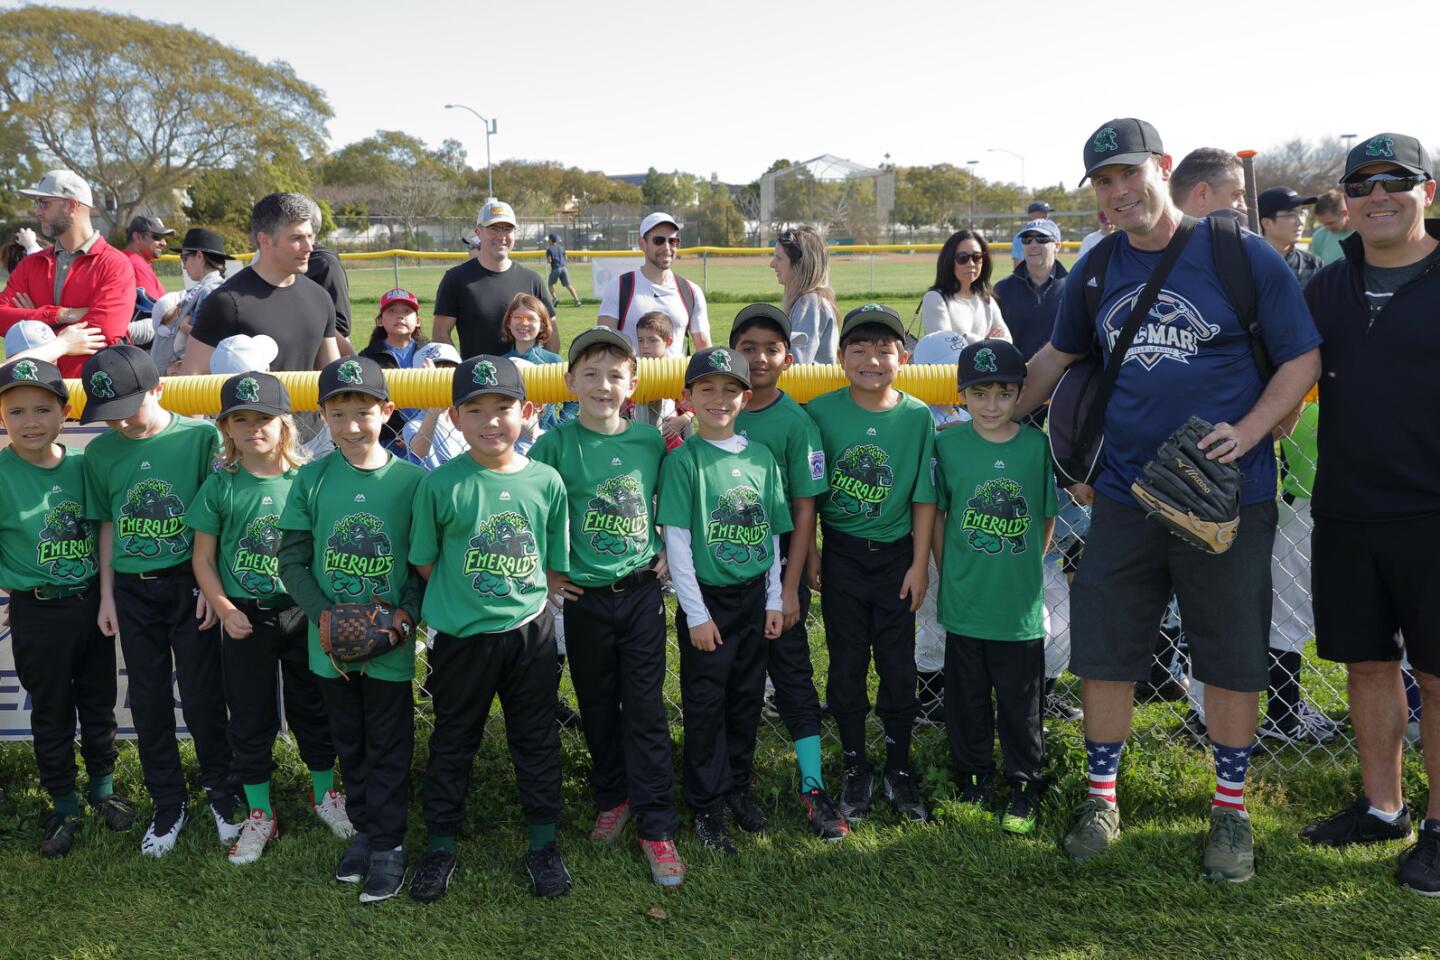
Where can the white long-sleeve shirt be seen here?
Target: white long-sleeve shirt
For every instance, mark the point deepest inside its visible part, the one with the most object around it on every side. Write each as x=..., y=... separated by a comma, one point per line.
x=972, y=317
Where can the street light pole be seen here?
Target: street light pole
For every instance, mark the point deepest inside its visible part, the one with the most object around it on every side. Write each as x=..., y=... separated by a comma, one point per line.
x=972, y=164
x=489, y=132
x=1017, y=157
x=1349, y=139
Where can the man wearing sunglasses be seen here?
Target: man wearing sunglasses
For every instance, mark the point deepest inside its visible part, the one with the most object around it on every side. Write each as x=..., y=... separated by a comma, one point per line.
x=147, y=241
x=1030, y=296
x=1376, y=498
x=1282, y=222
x=656, y=287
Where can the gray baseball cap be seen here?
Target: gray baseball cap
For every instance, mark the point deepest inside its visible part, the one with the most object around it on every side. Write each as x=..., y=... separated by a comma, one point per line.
x=64, y=184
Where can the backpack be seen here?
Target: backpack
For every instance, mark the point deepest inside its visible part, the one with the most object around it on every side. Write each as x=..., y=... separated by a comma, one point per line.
x=627, y=293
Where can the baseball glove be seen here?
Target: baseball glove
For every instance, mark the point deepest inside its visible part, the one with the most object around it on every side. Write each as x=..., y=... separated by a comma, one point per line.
x=356, y=632
x=1195, y=498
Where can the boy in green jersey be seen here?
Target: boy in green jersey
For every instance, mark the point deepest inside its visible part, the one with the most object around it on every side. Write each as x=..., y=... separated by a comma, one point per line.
x=614, y=611
x=48, y=566
x=345, y=538
x=762, y=334
x=997, y=509
x=489, y=534
x=722, y=508
x=141, y=476
x=875, y=527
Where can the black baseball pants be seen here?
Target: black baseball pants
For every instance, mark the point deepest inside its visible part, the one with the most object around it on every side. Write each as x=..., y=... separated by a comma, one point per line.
x=1014, y=671
x=67, y=666
x=160, y=639
x=721, y=692
x=791, y=672
x=616, y=645
x=254, y=668
x=372, y=724
x=466, y=674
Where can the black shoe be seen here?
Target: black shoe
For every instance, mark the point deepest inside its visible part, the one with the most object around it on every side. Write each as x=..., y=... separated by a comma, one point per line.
x=432, y=875
x=747, y=816
x=824, y=816
x=1419, y=870
x=977, y=789
x=384, y=875
x=58, y=834
x=116, y=811
x=548, y=876
x=354, y=860
x=1061, y=706
x=1170, y=691
x=1356, y=824
x=900, y=791
x=566, y=716
x=712, y=833
x=855, y=795
x=1024, y=809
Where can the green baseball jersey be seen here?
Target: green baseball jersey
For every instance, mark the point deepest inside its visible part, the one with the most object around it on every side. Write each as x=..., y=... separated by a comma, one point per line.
x=243, y=512
x=45, y=539
x=732, y=504
x=879, y=463
x=996, y=497
x=610, y=484
x=360, y=520
x=792, y=438
x=490, y=537
x=145, y=488
x=1300, y=451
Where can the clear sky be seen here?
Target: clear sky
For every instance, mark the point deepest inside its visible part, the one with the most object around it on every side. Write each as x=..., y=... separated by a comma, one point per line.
x=727, y=87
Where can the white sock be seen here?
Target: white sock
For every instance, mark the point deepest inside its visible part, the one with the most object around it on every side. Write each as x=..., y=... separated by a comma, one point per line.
x=1389, y=817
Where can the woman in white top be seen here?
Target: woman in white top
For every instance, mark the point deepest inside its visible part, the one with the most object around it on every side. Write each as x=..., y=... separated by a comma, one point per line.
x=962, y=301
x=803, y=268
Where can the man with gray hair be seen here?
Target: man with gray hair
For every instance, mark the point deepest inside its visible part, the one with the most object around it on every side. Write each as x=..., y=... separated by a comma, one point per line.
x=1207, y=180
x=272, y=296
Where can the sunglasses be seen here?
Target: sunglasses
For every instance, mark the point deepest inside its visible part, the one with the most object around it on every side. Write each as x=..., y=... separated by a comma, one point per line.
x=1356, y=189
x=1031, y=240
x=969, y=258
x=662, y=241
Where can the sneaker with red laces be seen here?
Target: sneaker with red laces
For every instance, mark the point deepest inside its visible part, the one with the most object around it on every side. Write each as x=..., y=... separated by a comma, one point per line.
x=666, y=867
x=255, y=833
x=610, y=823
x=824, y=817
x=332, y=813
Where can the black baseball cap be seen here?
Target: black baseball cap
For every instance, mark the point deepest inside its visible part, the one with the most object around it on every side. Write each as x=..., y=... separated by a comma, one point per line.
x=1279, y=199
x=150, y=225
x=205, y=241
x=26, y=372
x=1125, y=140
x=990, y=361
x=595, y=336
x=876, y=313
x=116, y=380
x=1039, y=206
x=1395, y=148
x=484, y=374
x=353, y=375
x=713, y=360
x=257, y=391
x=757, y=313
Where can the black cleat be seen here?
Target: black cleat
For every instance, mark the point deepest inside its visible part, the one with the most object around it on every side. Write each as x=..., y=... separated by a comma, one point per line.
x=824, y=816
x=432, y=875
x=58, y=835
x=116, y=811
x=1419, y=870
x=712, y=833
x=900, y=791
x=856, y=794
x=1356, y=824
x=384, y=875
x=747, y=816
x=548, y=876
x=354, y=861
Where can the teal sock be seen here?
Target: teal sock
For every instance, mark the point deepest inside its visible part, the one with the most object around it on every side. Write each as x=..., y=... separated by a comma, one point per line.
x=322, y=782
x=101, y=787
x=68, y=803
x=258, y=796
x=442, y=843
x=541, y=834
x=807, y=756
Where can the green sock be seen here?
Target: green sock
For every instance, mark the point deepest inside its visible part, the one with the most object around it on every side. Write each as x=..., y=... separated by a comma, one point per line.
x=541, y=834
x=101, y=787
x=258, y=796
x=807, y=757
x=442, y=843
x=68, y=803
x=322, y=782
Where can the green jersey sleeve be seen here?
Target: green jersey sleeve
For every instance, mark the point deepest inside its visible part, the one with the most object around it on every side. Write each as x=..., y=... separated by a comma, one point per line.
x=206, y=509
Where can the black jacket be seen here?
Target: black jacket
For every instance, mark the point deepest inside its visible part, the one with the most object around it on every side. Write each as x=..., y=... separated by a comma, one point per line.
x=1029, y=311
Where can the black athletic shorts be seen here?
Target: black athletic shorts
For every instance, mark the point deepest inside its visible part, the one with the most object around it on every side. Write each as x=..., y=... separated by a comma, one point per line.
x=1370, y=581
x=562, y=274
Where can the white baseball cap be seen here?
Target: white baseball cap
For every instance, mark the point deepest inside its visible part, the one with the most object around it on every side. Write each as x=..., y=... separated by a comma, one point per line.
x=242, y=354
x=943, y=346
x=495, y=211
x=64, y=184
x=27, y=335
x=436, y=351
x=655, y=219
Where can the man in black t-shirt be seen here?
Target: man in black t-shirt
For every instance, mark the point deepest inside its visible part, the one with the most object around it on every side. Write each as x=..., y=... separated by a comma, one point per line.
x=473, y=297
x=273, y=296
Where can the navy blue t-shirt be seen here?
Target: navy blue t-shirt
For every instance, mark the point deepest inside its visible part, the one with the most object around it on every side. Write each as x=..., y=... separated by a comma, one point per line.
x=1191, y=356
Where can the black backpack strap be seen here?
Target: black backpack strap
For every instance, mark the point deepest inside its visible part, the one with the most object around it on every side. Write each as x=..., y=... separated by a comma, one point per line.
x=1233, y=265
x=1097, y=261
x=627, y=293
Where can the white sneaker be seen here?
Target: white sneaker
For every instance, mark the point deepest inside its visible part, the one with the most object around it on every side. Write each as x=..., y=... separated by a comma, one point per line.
x=255, y=832
x=331, y=812
x=163, y=831
x=228, y=832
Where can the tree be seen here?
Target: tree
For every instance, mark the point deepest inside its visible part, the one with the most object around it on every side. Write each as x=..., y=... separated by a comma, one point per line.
x=1307, y=167
x=721, y=224
x=138, y=108
x=19, y=166
x=223, y=198
x=670, y=191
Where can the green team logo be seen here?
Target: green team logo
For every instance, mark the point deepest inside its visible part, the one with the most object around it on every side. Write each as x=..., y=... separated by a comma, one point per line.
x=151, y=520
x=720, y=360
x=738, y=527
x=350, y=372
x=25, y=370
x=617, y=518
x=1381, y=146
x=995, y=516
x=484, y=374
x=256, y=565
x=358, y=557
x=861, y=480
x=66, y=548
x=985, y=360
x=248, y=390
x=1105, y=140
x=503, y=557
x=101, y=386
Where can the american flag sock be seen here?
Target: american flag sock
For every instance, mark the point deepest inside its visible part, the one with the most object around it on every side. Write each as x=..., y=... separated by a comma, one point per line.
x=1102, y=762
x=1231, y=765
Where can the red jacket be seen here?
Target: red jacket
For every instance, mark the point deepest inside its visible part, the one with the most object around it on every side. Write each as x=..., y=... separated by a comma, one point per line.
x=102, y=280
x=145, y=275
